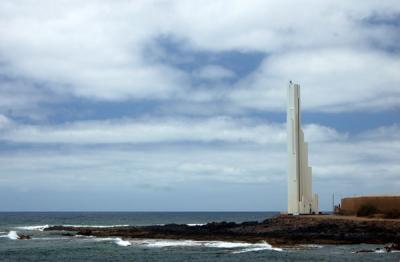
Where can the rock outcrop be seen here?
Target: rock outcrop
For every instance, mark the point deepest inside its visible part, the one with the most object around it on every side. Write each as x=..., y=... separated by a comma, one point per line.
x=280, y=231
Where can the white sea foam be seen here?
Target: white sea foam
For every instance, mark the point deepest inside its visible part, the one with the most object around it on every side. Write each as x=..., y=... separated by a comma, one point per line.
x=122, y=243
x=50, y=238
x=13, y=235
x=117, y=240
x=97, y=239
x=252, y=249
x=36, y=228
x=259, y=247
x=99, y=226
x=195, y=225
x=42, y=227
x=224, y=244
x=239, y=247
x=311, y=246
x=166, y=243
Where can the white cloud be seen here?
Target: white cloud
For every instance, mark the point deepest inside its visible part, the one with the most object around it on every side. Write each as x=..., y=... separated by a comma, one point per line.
x=163, y=166
x=317, y=133
x=331, y=153
x=55, y=50
x=384, y=132
x=270, y=25
x=217, y=129
x=91, y=50
x=337, y=159
x=333, y=80
x=97, y=49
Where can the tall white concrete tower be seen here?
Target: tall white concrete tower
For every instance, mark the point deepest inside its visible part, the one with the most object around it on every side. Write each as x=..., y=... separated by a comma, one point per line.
x=301, y=200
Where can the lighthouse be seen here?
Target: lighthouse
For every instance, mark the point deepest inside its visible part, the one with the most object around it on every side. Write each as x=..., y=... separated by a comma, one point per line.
x=301, y=200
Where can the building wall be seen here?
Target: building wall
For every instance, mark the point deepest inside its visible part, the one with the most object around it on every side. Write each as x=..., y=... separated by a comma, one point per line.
x=350, y=205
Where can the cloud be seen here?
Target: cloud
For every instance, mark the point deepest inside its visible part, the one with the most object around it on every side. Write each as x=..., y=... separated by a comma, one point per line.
x=97, y=50
x=345, y=55
x=204, y=130
x=337, y=159
x=333, y=80
x=384, y=132
x=333, y=154
x=88, y=50
x=164, y=166
x=270, y=26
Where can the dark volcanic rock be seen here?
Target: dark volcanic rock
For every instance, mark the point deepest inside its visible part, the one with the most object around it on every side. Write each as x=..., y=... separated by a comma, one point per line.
x=280, y=230
x=68, y=234
x=393, y=247
x=24, y=237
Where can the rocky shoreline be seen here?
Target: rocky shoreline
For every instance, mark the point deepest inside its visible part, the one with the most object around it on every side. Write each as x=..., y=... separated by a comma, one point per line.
x=281, y=230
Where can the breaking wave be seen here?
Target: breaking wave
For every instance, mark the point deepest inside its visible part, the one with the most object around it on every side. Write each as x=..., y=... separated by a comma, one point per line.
x=43, y=227
x=117, y=240
x=50, y=238
x=311, y=246
x=235, y=247
x=36, y=228
x=11, y=235
x=99, y=226
x=242, y=246
x=259, y=247
x=165, y=243
x=122, y=243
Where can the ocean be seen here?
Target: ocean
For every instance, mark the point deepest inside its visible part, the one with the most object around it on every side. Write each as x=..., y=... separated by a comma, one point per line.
x=52, y=246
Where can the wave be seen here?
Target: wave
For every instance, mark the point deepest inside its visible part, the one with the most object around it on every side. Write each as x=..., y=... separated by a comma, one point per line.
x=381, y=250
x=259, y=247
x=159, y=243
x=43, y=227
x=99, y=226
x=122, y=243
x=237, y=247
x=11, y=235
x=242, y=246
x=311, y=246
x=35, y=228
x=117, y=240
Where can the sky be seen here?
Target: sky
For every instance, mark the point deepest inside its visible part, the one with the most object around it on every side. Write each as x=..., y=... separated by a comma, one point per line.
x=175, y=105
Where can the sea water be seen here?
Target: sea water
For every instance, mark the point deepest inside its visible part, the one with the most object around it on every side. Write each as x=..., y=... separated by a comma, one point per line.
x=51, y=246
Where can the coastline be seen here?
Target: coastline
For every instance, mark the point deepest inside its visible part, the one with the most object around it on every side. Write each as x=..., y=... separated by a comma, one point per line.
x=279, y=231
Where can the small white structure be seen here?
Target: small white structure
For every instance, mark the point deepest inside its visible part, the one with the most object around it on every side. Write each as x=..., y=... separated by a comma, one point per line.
x=301, y=200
